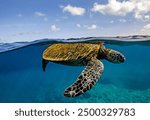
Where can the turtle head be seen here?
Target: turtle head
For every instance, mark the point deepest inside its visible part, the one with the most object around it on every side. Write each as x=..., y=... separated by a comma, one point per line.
x=114, y=56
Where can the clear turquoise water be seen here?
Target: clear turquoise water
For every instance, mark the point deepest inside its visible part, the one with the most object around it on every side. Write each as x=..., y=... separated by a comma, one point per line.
x=22, y=78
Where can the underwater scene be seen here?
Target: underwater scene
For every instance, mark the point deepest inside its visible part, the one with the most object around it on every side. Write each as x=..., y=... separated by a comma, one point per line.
x=23, y=80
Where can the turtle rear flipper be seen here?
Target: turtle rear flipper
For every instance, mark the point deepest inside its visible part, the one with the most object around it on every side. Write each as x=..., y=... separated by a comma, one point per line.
x=44, y=63
x=88, y=78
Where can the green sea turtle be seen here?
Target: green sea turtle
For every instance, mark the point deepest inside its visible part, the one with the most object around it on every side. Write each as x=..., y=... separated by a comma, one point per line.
x=81, y=54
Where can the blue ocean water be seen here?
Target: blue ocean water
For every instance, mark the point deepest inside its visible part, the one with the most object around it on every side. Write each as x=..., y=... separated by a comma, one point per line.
x=22, y=78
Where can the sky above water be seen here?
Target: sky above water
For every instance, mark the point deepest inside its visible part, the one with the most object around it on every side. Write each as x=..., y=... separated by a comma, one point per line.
x=27, y=20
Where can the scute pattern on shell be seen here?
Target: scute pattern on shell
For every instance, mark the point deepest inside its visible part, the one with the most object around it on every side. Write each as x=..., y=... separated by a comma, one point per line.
x=71, y=51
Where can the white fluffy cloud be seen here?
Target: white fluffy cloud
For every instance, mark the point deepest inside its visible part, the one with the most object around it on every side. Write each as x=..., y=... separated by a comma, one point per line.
x=122, y=20
x=74, y=10
x=78, y=25
x=145, y=30
x=54, y=28
x=112, y=21
x=91, y=27
x=140, y=8
x=40, y=14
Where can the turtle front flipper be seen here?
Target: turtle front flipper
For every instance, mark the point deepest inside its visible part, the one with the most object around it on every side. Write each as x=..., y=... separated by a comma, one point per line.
x=87, y=79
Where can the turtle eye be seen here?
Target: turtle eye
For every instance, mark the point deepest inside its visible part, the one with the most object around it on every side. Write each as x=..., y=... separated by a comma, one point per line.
x=112, y=56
